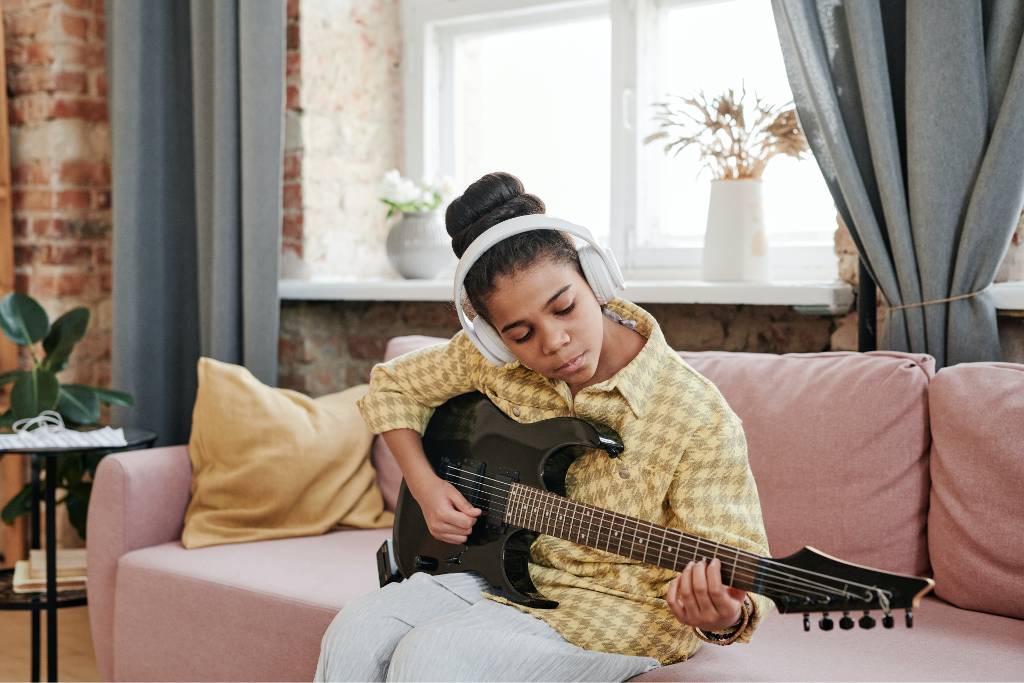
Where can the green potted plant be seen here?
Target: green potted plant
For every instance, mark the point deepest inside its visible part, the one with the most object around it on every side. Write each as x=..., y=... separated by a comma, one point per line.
x=25, y=322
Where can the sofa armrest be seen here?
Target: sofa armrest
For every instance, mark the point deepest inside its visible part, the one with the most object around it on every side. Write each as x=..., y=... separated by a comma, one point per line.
x=138, y=500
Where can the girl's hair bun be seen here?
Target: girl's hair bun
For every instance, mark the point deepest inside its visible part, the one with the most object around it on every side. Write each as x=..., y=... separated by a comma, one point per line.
x=490, y=200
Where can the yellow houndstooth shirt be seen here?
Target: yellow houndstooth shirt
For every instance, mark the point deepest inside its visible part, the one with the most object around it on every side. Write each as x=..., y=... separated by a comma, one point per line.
x=684, y=466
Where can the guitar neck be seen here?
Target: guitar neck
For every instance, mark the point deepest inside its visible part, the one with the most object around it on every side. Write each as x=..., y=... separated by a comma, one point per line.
x=595, y=527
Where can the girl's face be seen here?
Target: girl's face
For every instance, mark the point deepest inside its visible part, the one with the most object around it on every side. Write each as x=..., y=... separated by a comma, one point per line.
x=548, y=316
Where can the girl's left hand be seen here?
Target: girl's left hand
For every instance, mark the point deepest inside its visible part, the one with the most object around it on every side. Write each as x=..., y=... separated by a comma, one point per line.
x=698, y=598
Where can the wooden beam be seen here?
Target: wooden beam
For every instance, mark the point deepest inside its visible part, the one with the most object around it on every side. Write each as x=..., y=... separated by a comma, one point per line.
x=12, y=468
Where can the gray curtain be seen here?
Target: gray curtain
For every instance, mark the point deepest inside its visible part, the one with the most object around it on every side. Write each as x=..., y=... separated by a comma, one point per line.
x=197, y=136
x=914, y=110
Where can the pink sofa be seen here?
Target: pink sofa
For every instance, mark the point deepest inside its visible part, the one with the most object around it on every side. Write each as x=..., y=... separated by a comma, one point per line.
x=873, y=458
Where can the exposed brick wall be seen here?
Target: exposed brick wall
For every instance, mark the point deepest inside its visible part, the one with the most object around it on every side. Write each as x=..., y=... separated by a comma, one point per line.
x=60, y=163
x=328, y=346
x=346, y=121
x=292, y=250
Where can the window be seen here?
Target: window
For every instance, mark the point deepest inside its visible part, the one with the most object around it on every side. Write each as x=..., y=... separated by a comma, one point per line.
x=559, y=92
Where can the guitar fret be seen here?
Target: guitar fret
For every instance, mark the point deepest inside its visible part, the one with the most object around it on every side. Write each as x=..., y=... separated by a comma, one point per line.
x=590, y=523
x=604, y=525
x=618, y=532
x=633, y=546
x=549, y=513
x=510, y=509
x=678, y=544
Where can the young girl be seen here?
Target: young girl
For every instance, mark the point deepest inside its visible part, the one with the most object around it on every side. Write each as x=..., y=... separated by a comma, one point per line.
x=684, y=466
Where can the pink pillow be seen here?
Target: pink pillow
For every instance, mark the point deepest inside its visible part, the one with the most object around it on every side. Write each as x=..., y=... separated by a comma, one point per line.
x=389, y=474
x=976, y=522
x=838, y=443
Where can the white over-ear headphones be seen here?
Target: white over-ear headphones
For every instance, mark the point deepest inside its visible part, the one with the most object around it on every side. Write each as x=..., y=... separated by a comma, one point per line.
x=599, y=267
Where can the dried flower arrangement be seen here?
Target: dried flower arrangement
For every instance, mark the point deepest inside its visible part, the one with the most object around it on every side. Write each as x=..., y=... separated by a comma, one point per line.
x=730, y=148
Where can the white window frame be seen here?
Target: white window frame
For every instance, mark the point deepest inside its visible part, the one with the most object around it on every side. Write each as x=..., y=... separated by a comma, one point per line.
x=429, y=29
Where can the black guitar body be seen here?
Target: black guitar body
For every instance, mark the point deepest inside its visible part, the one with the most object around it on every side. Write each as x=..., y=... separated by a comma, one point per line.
x=470, y=442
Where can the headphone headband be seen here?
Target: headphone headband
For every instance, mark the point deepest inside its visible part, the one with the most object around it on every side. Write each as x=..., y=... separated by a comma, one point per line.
x=514, y=226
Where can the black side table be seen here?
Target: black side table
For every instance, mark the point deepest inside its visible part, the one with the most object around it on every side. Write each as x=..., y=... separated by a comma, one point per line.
x=9, y=600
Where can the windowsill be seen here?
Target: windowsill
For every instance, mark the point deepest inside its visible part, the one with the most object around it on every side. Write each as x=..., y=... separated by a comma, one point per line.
x=812, y=297
x=823, y=298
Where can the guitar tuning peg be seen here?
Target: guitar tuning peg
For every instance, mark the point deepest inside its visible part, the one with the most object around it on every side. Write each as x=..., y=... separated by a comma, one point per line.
x=867, y=621
x=888, y=621
x=910, y=618
x=846, y=623
x=825, y=623
x=807, y=621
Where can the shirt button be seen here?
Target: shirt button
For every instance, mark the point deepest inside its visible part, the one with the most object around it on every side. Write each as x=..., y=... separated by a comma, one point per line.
x=623, y=473
x=516, y=411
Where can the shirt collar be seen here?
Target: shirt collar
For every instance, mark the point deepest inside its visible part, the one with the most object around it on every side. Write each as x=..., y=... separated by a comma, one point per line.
x=635, y=381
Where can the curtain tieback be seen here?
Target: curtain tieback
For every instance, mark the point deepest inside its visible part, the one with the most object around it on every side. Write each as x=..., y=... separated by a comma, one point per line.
x=937, y=301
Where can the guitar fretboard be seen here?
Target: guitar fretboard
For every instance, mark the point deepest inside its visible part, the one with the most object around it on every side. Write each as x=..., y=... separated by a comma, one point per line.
x=627, y=536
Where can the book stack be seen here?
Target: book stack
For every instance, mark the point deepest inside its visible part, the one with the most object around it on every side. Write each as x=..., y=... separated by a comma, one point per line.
x=30, y=574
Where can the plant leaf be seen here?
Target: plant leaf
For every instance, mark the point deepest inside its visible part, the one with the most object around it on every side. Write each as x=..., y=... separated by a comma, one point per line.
x=66, y=331
x=12, y=376
x=78, y=506
x=20, y=505
x=23, y=319
x=35, y=391
x=112, y=396
x=79, y=404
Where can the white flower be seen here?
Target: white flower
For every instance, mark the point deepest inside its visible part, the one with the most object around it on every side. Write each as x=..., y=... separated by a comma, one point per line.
x=406, y=192
x=447, y=186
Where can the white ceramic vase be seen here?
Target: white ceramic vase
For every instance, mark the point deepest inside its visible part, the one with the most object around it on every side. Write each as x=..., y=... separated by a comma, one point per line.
x=418, y=246
x=735, y=243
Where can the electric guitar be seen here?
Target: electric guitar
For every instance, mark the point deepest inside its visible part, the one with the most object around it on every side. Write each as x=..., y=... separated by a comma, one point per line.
x=515, y=474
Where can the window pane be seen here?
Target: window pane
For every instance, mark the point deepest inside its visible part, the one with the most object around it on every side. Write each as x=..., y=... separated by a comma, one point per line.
x=714, y=47
x=535, y=103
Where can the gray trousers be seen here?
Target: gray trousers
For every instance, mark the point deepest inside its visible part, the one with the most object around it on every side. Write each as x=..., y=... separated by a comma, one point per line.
x=440, y=628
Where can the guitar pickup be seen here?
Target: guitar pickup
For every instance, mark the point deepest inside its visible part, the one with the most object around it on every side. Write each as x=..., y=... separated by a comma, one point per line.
x=504, y=479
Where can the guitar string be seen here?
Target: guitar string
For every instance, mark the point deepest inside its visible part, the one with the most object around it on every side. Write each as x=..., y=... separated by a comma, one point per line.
x=746, y=566
x=808, y=587
x=689, y=544
x=790, y=586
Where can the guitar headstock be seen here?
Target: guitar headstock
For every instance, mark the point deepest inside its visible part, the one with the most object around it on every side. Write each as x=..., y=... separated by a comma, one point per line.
x=812, y=581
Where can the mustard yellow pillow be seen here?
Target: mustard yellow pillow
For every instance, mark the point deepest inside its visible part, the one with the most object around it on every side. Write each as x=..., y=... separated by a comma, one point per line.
x=271, y=463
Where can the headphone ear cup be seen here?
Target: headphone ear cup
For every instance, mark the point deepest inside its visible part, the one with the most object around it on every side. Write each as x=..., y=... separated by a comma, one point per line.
x=596, y=272
x=490, y=343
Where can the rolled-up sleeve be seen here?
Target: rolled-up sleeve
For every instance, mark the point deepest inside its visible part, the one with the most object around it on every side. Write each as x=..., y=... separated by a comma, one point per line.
x=714, y=493
x=405, y=390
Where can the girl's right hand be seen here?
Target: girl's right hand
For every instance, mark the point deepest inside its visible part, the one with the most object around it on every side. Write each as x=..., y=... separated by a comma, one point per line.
x=448, y=514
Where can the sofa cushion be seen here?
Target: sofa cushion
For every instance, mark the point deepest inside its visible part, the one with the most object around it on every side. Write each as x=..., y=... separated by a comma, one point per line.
x=273, y=463
x=244, y=611
x=977, y=467
x=945, y=644
x=838, y=443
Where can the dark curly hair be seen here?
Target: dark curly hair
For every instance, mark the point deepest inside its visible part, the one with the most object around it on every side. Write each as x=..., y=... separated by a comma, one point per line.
x=490, y=200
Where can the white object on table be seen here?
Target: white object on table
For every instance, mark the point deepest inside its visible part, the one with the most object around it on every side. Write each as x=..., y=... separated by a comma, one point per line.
x=49, y=432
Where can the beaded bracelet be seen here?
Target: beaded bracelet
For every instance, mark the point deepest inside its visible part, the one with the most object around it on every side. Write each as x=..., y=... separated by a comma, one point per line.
x=715, y=638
